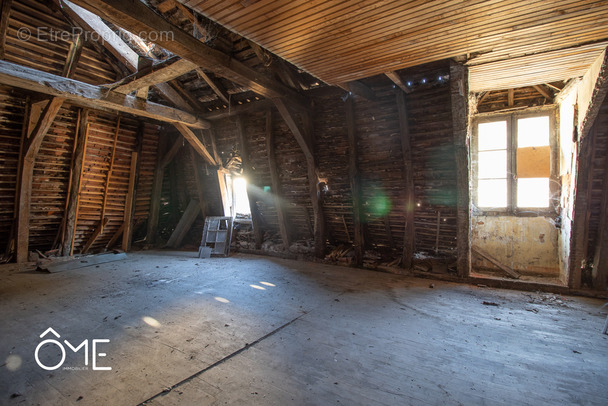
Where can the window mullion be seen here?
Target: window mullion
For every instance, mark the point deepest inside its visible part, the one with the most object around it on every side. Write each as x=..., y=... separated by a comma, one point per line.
x=511, y=164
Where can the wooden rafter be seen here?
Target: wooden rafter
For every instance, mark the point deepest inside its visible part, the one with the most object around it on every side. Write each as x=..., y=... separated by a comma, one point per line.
x=92, y=96
x=360, y=89
x=30, y=150
x=394, y=76
x=5, y=10
x=301, y=136
x=196, y=143
x=137, y=17
x=540, y=89
x=73, y=57
x=215, y=85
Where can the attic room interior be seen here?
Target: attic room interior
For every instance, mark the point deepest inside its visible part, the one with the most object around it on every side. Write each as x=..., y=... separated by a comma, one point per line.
x=303, y=202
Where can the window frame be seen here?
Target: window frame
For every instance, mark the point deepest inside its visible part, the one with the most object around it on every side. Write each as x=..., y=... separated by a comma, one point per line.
x=511, y=208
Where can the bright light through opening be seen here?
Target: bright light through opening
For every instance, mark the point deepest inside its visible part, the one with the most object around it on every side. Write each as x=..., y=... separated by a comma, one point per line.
x=241, y=203
x=533, y=192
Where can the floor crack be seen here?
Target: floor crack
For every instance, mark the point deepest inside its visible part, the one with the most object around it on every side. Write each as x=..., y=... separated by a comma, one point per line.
x=221, y=361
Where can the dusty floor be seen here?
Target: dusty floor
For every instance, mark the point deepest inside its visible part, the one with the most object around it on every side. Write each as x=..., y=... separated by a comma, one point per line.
x=255, y=331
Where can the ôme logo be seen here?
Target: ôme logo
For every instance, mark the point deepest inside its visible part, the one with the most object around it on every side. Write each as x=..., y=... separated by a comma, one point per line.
x=85, y=344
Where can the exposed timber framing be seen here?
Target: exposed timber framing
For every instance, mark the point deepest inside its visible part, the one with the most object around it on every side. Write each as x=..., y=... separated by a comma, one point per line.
x=196, y=143
x=137, y=17
x=159, y=73
x=358, y=88
x=276, y=182
x=460, y=127
x=74, y=197
x=5, y=10
x=96, y=233
x=578, y=236
x=95, y=97
x=355, y=183
x=409, y=237
x=303, y=135
x=252, y=194
x=215, y=85
x=30, y=150
x=157, y=187
x=237, y=109
x=540, y=89
x=115, y=45
x=200, y=190
x=110, y=170
x=394, y=76
x=129, y=203
x=73, y=57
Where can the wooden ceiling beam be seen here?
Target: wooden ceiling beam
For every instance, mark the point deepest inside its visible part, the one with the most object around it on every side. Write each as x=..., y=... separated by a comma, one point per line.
x=298, y=131
x=358, y=88
x=394, y=76
x=238, y=109
x=159, y=73
x=137, y=17
x=96, y=97
x=544, y=92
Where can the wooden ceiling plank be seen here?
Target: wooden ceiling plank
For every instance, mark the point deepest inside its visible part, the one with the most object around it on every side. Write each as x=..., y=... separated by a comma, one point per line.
x=91, y=96
x=138, y=17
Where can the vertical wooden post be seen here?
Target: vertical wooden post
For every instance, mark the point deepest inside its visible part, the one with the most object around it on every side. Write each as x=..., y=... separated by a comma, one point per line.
x=459, y=89
x=409, y=237
x=129, y=202
x=315, y=191
x=276, y=182
x=157, y=186
x=251, y=193
x=77, y=172
x=30, y=150
x=355, y=183
x=197, y=180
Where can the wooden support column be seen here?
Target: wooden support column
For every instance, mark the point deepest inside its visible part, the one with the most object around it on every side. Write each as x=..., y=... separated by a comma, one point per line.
x=251, y=187
x=77, y=172
x=276, y=182
x=198, y=181
x=459, y=89
x=157, y=188
x=303, y=135
x=5, y=10
x=600, y=261
x=129, y=203
x=355, y=183
x=409, y=237
x=30, y=150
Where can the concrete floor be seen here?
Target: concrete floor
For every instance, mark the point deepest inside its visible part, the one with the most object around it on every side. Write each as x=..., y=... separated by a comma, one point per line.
x=255, y=331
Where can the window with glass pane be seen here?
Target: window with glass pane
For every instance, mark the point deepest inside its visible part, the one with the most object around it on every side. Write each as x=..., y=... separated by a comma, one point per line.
x=492, y=164
x=533, y=162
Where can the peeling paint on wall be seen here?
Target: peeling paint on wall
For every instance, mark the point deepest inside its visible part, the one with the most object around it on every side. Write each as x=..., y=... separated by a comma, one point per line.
x=526, y=244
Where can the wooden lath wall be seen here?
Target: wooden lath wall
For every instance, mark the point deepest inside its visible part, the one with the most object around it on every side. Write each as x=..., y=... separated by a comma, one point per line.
x=12, y=112
x=51, y=180
x=380, y=163
x=46, y=51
